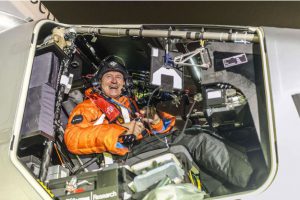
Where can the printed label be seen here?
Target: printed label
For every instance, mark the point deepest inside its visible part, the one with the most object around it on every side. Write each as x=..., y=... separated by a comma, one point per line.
x=235, y=60
x=214, y=94
x=154, y=52
x=77, y=119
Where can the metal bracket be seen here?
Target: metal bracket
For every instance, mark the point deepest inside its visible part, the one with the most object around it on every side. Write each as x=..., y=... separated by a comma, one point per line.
x=184, y=59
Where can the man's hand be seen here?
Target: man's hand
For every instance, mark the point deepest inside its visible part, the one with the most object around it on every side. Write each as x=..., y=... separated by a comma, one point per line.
x=153, y=117
x=134, y=127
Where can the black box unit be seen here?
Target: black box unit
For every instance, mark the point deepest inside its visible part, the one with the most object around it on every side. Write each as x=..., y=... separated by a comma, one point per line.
x=224, y=108
x=104, y=184
x=214, y=97
x=225, y=118
x=38, y=115
x=44, y=70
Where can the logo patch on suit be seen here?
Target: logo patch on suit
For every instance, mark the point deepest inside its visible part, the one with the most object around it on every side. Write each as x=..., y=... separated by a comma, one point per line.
x=77, y=119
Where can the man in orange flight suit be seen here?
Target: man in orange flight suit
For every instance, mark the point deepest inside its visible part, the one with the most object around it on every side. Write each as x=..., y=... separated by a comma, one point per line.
x=90, y=130
x=106, y=120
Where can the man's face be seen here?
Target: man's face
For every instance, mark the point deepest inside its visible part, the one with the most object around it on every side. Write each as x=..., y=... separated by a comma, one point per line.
x=112, y=84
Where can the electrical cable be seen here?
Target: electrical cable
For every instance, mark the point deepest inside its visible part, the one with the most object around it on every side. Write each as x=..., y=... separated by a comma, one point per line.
x=85, y=165
x=58, y=155
x=188, y=117
x=186, y=122
x=159, y=139
x=185, y=125
x=147, y=115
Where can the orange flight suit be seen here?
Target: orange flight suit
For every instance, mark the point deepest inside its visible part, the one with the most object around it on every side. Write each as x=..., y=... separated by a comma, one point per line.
x=83, y=136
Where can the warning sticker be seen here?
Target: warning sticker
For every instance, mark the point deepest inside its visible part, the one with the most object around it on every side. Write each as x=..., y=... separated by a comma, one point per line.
x=235, y=60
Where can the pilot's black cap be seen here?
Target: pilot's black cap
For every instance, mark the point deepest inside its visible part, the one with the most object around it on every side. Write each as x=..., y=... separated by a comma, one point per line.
x=111, y=64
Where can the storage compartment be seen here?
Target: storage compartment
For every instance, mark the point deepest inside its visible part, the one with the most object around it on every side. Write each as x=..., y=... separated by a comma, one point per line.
x=44, y=70
x=38, y=117
x=100, y=185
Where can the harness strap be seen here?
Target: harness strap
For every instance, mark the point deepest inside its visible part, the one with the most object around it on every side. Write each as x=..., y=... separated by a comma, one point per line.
x=109, y=109
x=113, y=110
x=100, y=120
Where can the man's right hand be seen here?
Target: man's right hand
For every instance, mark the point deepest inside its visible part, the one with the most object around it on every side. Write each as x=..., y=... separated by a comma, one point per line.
x=134, y=127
